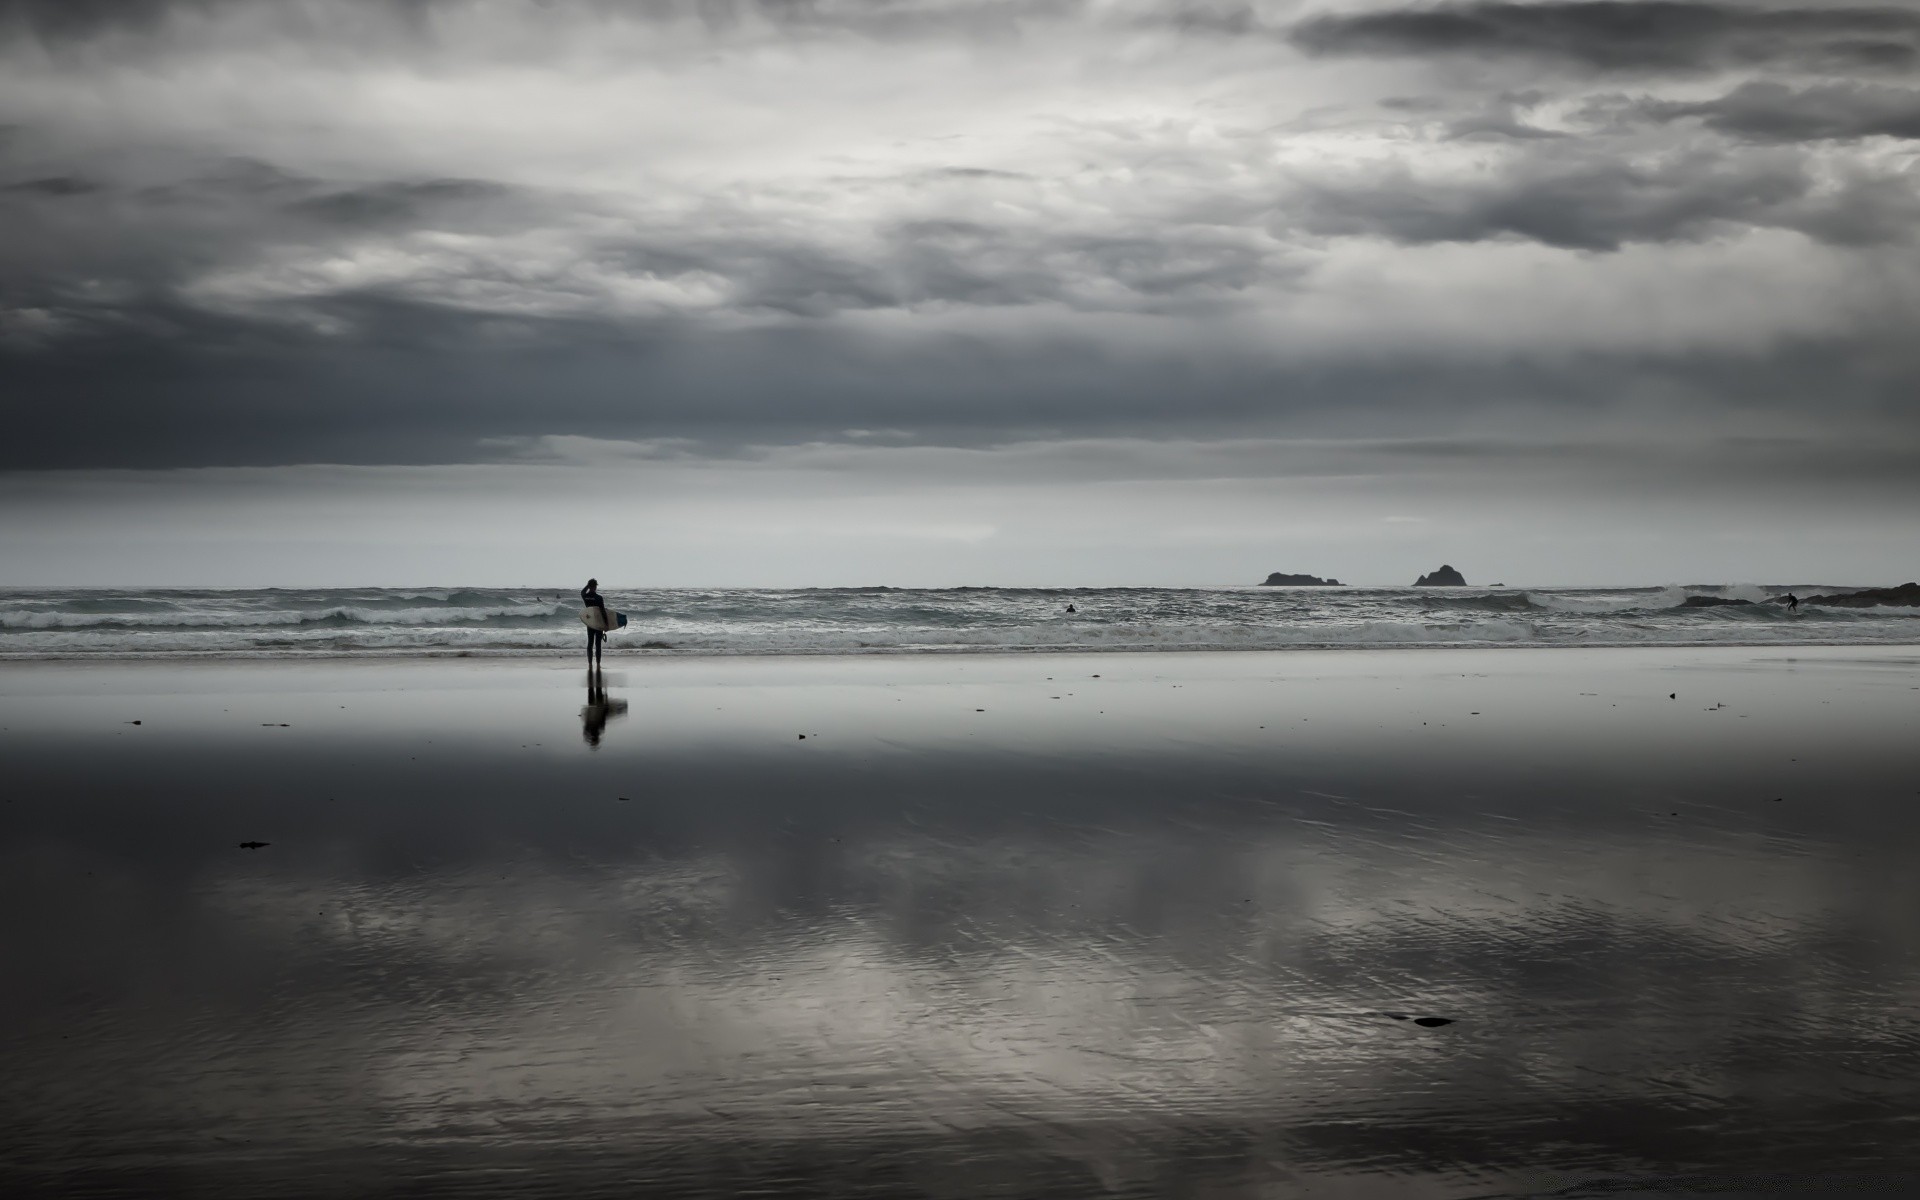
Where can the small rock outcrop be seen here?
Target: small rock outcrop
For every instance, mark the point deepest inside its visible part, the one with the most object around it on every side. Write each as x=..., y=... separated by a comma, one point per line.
x=1282, y=579
x=1446, y=576
x=1907, y=595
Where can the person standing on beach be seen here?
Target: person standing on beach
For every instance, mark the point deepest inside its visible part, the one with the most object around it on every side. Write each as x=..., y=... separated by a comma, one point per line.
x=596, y=639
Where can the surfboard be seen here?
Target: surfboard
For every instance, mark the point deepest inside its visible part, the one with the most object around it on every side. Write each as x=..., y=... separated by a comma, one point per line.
x=603, y=619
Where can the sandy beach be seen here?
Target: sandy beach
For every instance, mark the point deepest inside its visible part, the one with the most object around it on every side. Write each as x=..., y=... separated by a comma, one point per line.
x=1382, y=923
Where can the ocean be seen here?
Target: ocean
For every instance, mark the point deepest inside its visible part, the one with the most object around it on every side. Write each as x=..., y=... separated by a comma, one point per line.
x=299, y=622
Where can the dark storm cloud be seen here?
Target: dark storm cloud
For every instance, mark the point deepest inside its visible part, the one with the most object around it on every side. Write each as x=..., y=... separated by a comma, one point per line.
x=75, y=18
x=166, y=236
x=373, y=25
x=1589, y=201
x=1631, y=35
x=215, y=195
x=100, y=257
x=246, y=246
x=422, y=384
x=404, y=371
x=1764, y=111
x=177, y=386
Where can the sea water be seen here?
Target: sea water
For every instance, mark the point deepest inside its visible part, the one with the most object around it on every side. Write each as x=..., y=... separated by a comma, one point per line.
x=270, y=622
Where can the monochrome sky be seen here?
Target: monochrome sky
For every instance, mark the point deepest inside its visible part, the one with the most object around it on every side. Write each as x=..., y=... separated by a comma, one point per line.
x=957, y=291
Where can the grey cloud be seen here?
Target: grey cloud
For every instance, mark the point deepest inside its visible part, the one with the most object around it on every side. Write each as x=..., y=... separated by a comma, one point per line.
x=1501, y=117
x=1587, y=201
x=1650, y=464
x=976, y=173
x=234, y=188
x=117, y=257
x=422, y=384
x=980, y=264
x=397, y=202
x=417, y=369
x=1072, y=282
x=392, y=26
x=239, y=215
x=56, y=185
x=1765, y=111
x=1495, y=118
x=64, y=22
x=1630, y=35
x=73, y=18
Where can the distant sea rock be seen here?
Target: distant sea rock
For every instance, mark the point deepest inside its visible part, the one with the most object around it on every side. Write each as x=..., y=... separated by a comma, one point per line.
x=1907, y=595
x=1710, y=602
x=1446, y=576
x=1282, y=579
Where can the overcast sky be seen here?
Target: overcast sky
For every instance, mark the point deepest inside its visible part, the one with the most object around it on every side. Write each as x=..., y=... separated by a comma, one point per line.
x=957, y=291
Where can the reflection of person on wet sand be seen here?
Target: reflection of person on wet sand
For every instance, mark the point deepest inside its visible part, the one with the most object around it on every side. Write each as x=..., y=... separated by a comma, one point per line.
x=600, y=709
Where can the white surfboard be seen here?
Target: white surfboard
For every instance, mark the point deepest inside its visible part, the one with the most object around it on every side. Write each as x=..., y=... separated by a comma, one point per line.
x=603, y=619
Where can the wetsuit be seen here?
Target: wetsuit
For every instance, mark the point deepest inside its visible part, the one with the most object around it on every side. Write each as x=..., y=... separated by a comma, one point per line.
x=591, y=599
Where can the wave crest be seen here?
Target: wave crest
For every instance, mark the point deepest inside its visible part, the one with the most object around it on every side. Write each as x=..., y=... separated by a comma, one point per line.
x=37, y=623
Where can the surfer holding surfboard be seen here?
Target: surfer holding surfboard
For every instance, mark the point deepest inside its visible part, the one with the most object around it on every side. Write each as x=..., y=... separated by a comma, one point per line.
x=596, y=628
x=599, y=620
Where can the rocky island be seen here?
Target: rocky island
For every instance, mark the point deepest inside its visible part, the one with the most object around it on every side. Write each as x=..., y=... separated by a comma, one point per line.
x=1282, y=579
x=1907, y=595
x=1446, y=576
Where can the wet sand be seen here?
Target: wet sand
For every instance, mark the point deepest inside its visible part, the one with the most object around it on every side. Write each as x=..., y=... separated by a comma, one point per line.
x=1146, y=925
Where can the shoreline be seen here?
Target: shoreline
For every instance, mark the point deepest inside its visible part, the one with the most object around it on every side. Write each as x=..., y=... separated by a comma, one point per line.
x=504, y=625
x=1014, y=652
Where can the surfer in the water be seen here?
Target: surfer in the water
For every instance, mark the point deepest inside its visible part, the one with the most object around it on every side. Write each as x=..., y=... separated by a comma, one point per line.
x=596, y=640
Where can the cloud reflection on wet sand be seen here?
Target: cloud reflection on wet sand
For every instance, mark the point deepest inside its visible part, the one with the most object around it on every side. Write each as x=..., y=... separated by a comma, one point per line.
x=948, y=970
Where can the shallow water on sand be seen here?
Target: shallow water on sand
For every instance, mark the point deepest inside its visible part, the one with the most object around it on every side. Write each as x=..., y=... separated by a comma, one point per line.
x=1452, y=923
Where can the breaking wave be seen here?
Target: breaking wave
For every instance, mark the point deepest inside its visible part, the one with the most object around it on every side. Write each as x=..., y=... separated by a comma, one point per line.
x=39, y=623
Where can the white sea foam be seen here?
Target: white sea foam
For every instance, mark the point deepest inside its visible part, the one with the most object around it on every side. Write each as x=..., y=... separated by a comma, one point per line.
x=39, y=623
x=217, y=619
